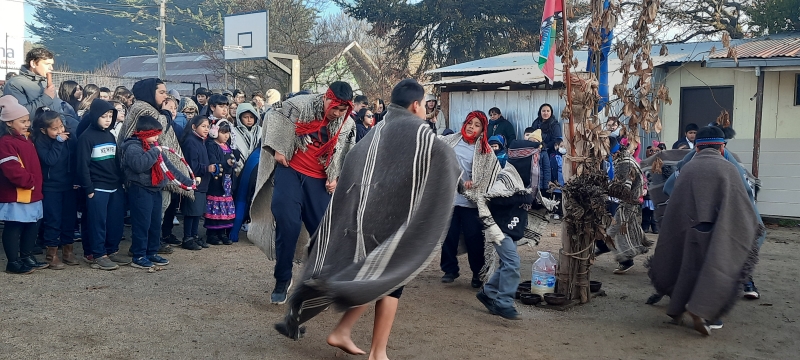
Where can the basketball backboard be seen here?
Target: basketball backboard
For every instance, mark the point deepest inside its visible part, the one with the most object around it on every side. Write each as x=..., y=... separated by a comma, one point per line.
x=246, y=36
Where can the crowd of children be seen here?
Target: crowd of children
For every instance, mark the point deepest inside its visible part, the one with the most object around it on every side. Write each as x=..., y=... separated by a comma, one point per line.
x=126, y=153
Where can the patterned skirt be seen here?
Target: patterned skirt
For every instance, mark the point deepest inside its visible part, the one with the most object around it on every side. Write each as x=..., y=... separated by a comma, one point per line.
x=220, y=210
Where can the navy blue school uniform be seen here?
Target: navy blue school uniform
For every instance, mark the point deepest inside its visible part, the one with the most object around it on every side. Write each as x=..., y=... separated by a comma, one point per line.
x=98, y=173
x=196, y=155
x=58, y=159
x=144, y=197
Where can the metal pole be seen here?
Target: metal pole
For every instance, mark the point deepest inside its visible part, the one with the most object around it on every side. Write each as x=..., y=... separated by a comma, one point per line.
x=162, y=40
x=757, y=131
x=5, y=54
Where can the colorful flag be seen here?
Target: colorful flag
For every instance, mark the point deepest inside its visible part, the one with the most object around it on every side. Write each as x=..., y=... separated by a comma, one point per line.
x=547, y=37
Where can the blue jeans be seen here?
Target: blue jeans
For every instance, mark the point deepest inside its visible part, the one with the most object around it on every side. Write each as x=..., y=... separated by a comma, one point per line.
x=145, y=220
x=60, y=214
x=502, y=285
x=465, y=220
x=106, y=216
x=297, y=199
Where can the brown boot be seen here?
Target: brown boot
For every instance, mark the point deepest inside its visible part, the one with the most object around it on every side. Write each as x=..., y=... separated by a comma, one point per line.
x=52, y=258
x=68, y=255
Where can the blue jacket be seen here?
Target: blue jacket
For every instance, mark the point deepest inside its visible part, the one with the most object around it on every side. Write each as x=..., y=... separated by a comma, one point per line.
x=59, y=160
x=137, y=165
x=28, y=88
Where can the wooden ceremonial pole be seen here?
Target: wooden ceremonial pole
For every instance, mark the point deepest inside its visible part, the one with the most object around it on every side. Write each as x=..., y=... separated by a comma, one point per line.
x=567, y=81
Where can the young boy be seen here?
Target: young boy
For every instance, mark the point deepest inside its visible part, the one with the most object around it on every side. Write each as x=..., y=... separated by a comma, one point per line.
x=99, y=176
x=218, y=105
x=509, y=201
x=498, y=144
x=141, y=164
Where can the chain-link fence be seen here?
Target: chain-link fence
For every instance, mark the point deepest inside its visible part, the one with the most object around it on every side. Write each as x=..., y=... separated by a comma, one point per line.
x=112, y=82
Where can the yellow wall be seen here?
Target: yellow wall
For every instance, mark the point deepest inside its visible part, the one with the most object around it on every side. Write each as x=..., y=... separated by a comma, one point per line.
x=781, y=119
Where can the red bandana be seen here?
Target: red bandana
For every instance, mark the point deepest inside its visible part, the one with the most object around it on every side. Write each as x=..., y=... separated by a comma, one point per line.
x=485, y=148
x=156, y=174
x=302, y=129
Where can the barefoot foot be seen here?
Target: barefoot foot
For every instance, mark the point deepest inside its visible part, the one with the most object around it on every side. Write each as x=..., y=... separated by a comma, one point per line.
x=345, y=343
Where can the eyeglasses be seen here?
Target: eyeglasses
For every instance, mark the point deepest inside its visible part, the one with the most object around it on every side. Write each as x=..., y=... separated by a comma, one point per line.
x=369, y=116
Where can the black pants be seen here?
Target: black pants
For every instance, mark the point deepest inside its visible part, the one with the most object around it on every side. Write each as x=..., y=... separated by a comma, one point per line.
x=465, y=220
x=19, y=238
x=169, y=214
x=649, y=220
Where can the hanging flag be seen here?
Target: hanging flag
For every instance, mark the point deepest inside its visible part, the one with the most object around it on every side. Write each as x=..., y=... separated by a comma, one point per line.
x=607, y=37
x=547, y=37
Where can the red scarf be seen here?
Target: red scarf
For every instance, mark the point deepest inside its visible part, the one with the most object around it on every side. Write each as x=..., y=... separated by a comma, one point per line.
x=156, y=174
x=485, y=148
x=302, y=129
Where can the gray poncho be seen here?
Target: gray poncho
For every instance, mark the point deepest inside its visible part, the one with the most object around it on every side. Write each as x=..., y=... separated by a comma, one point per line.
x=388, y=216
x=279, y=135
x=707, y=244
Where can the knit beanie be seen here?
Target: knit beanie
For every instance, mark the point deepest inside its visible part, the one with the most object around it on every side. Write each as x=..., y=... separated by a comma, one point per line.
x=10, y=109
x=273, y=96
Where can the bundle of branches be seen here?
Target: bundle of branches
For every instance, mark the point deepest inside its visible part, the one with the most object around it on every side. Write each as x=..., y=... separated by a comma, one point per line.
x=585, y=219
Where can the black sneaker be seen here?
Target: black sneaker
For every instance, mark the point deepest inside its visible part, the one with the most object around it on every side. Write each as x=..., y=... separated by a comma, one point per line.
x=449, y=278
x=281, y=292
x=226, y=240
x=476, y=283
x=201, y=241
x=714, y=325
x=171, y=239
x=622, y=268
x=165, y=249
x=750, y=291
x=18, y=267
x=486, y=301
x=213, y=240
x=190, y=244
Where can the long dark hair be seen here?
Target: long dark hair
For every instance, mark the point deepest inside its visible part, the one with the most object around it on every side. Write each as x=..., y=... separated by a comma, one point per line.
x=362, y=114
x=43, y=119
x=195, y=122
x=66, y=92
x=539, y=114
x=90, y=92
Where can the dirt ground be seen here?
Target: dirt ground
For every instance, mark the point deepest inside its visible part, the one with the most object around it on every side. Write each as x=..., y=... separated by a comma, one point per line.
x=214, y=303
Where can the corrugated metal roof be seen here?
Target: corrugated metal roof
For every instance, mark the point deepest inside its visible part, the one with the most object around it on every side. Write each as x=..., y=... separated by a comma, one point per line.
x=510, y=61
x=764, y=49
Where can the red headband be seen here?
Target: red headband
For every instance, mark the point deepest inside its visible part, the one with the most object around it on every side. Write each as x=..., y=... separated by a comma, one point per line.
x=485, y=148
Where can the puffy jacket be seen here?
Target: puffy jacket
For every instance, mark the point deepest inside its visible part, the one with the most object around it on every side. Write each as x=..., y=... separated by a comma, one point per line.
x=21, y=178
x=58, y=161
x=137, y=165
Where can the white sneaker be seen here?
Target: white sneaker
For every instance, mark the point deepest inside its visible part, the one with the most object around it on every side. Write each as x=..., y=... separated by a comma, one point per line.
x=175, y=221
x=246, y=227
x=556, y=217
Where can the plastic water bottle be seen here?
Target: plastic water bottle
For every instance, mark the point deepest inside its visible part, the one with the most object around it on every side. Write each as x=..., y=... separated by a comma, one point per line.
x=543, y=276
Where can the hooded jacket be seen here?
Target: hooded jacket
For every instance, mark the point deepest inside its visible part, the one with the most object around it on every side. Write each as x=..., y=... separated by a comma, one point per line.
x=98, y=164
x=28, y=88
x=58, y=161
x=246, y=139
x=437, y=114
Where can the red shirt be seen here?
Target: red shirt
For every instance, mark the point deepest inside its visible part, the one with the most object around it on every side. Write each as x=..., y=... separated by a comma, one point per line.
x=307, y=162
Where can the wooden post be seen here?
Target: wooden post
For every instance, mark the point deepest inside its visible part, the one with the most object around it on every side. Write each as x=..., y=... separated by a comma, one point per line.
x=759, y=115
x=567, y=81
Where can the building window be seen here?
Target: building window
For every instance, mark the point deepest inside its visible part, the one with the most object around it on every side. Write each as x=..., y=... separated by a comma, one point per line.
x=797, y=90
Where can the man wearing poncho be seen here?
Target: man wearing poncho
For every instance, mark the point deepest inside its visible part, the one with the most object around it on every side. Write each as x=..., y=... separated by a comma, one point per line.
x=707, y=244
x=383, y=226
x=304, y=145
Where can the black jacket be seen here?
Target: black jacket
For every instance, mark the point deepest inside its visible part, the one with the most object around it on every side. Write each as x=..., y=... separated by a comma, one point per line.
x=137, y=165
x=98, y=164
x=58, y=161
x=361, y=131
x=196, y=154
x=217, y=156
x=510, y=214
x=551, y=131
x=503, y=127
x=523, y=165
